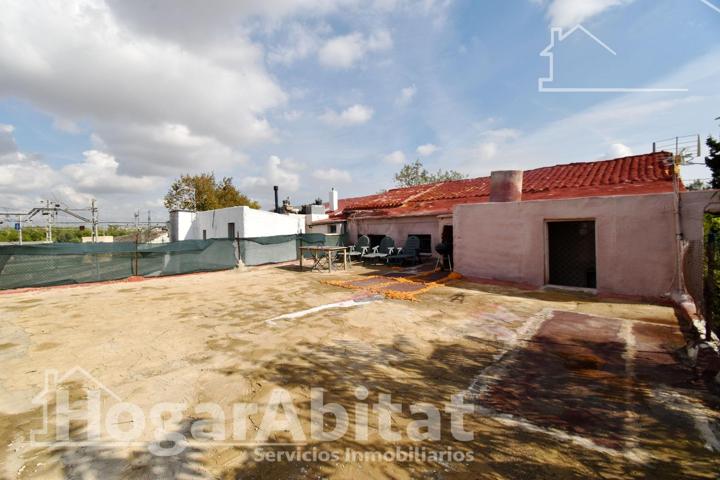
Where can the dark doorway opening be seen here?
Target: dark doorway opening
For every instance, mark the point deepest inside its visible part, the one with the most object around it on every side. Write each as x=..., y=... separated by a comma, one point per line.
x=571, y=252
x=231, y=230
x=446, y=240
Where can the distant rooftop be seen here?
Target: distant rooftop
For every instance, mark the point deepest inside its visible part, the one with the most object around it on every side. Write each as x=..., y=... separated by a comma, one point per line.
x=637, y=174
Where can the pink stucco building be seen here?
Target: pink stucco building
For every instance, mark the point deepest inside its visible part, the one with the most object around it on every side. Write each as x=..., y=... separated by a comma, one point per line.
x=605, y=225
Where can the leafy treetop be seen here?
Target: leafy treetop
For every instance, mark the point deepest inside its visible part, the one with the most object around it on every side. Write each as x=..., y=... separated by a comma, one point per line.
x=416, y=174
x=203, y=192
x=697, y=185
x=713, y=161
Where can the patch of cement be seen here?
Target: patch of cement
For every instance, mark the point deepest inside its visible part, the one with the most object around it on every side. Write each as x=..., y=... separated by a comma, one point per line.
x=480, y=384
x=631, y=424
x=700, y=415
x=355, y=302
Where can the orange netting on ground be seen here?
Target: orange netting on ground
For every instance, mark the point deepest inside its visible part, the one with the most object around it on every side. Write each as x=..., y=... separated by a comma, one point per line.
x=398, y=287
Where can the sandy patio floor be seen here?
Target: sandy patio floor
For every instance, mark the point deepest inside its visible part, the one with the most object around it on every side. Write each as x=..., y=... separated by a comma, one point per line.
x=563, y=386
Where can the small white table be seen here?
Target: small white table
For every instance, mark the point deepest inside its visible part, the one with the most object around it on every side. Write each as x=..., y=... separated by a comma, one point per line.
x=317, y=252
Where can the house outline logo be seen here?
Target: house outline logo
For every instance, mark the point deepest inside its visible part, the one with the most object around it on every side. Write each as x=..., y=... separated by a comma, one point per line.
x=711, y=5
x=557, y=35
x=52, y=380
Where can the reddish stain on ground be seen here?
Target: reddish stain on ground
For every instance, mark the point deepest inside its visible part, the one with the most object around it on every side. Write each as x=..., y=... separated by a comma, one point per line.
x=573, y=375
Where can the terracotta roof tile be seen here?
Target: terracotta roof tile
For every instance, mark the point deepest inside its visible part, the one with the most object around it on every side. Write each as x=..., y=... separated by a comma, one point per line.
x=638, y=174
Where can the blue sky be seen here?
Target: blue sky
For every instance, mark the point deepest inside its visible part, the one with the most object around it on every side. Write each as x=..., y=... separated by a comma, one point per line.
x=113, y=99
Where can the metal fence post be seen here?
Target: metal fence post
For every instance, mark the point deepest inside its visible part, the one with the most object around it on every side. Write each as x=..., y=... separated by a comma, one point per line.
x=135, y=256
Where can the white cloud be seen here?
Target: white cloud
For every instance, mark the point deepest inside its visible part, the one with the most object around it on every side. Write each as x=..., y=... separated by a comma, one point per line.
x=354, y=115
x=280, y=172
x=169, y=87
x=427, y=149
x=75, y=60
x=169, y=147
x=20, y=172
x=28, y=176
x=406, y=95
x=345, y=51
x=618, y=150
x=379, y=40
x=98, y=173
x=501, y=134
x=25, y=179
x=65, y=125
x=333, y=175
x=8, y=147
x=253, y=183
x=190, y=22
x=396, y=157
x=486, y=151
x=301, y=43
x=342, y=52
x=292, y=115
x=568, y=13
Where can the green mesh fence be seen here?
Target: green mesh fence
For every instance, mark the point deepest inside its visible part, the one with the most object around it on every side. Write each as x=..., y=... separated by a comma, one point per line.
x=282, y=248
x=67, y=263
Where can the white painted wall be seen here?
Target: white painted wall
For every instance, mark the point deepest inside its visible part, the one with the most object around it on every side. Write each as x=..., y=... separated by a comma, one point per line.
x=325, y=228
x=181, y=223
x=259, y=223
x=333, y=200
x=100, y=239
x=164, y=238
x=248, y=223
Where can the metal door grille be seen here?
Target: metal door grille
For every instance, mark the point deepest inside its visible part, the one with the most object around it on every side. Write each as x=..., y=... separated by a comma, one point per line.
x=571, y=252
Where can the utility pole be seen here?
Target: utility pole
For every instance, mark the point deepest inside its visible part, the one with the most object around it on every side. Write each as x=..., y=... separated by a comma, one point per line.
x=679, y=250
x=50, y=220
x=147, y=239
x=94, y=217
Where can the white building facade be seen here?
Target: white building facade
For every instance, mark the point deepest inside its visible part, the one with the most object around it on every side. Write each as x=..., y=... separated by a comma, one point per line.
x=232, y=222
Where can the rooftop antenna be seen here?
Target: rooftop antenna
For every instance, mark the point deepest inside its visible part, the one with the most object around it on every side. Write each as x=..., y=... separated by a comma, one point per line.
x=684, y=149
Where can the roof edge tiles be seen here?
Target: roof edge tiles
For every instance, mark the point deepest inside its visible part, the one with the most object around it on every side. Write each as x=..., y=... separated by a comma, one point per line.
x=636, y=174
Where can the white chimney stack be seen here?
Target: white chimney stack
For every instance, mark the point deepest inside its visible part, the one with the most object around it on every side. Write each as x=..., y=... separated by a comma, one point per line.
x=333, y=199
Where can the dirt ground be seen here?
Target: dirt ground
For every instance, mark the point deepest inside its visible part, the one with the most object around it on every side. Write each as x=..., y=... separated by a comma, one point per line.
x=562, y=386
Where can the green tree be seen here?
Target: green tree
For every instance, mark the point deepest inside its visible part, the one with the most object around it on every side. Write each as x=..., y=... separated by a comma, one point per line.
x=415, y=174
x=713, y=161
x=697, y=185
x=203, y=192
